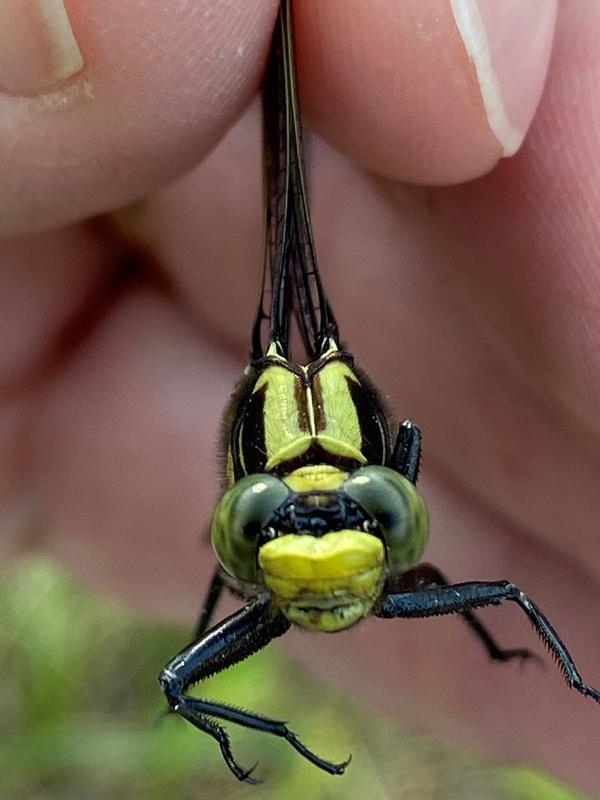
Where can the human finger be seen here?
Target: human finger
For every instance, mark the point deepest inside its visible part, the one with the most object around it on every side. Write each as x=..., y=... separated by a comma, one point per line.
x=424, y=91
x=101, y=100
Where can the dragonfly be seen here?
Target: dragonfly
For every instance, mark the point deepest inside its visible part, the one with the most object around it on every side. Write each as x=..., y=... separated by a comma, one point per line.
x=320, y=523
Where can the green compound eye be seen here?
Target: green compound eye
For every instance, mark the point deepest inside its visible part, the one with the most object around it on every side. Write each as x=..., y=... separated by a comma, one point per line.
x=239, y=517
x=398, y=509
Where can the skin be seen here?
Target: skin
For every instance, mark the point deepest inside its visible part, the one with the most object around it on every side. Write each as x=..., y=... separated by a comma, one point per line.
x=474, y=306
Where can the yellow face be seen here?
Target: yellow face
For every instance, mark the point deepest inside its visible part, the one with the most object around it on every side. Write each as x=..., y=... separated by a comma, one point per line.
x=324, y=583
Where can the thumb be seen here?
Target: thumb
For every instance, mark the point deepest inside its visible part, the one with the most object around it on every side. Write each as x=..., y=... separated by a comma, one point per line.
x=102, y=100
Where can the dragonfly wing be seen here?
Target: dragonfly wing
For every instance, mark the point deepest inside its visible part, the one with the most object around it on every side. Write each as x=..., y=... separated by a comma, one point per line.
x=291, y=280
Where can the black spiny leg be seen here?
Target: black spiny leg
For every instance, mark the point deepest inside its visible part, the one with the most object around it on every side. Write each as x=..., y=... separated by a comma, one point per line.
x=209, y=604
x=461, y=597
x=232, y=640
x=206, y=612
x=406, y=458
x=426, y=576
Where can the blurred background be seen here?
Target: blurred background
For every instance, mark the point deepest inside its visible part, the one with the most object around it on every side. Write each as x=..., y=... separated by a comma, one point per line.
x=82, y=717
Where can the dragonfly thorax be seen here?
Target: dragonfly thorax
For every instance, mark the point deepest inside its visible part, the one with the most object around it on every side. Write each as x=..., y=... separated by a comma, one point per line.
x=285, y=415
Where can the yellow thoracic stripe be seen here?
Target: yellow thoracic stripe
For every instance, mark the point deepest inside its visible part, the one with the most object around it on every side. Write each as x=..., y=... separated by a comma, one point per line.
x=285, y=413
x=298, y=413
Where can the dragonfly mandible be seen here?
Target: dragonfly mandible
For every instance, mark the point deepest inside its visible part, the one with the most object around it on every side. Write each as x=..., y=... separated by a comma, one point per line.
x=320, y=524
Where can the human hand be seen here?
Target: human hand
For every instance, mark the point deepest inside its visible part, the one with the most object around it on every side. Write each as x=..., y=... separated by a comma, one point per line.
x=471, y=306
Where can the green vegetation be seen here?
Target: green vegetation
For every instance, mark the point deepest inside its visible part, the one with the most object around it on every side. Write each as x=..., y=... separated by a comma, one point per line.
x=81, y=717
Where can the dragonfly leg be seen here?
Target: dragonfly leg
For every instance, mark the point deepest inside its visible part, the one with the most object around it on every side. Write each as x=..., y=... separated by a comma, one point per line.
x=426, y=576
x=241, y=635
x=406, y=457
x=210, y=603
x=461, y=597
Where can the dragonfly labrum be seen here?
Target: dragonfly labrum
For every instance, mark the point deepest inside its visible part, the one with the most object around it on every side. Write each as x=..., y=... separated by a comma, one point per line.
x=320, y=524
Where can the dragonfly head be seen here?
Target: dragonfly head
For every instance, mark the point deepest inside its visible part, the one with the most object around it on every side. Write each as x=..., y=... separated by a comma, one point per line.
x=324, y=554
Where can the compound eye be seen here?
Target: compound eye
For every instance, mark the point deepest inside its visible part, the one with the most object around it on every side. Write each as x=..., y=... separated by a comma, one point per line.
x=239, y=518
x=397, y=508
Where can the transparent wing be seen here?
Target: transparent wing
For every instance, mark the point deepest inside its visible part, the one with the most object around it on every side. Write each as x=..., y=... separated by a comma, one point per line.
x=291, y=281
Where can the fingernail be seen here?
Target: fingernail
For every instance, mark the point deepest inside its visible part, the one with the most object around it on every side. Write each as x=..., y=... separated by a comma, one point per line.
x=38, y=49
x=509, y=44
